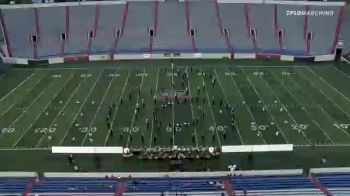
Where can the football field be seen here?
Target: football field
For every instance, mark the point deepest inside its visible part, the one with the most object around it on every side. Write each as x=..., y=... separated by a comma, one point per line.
x=179, y=104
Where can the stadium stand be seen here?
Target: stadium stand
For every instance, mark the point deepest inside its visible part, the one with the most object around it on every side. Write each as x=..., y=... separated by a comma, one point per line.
x=147, y=29
x=10, y=186
x=336, y=183
x=273, y=184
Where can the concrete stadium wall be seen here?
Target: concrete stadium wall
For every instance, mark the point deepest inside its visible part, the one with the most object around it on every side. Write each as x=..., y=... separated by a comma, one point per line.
x=119, y=57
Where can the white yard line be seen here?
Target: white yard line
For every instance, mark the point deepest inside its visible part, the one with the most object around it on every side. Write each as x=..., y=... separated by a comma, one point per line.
x=272, y=116
x=25, y=110
x=46, y=106
x=307, y=113
x=81, y=107
x=341, y=72
x=117, y=107
x=13, y=104
x=173, y=105
x=3, y=75
x=326, y=113
x=284, y=107
x=155, y=93
x=251, y=115
x=58, y=114
x=137, y=101
x=99, y=107
x=222, y=89
x=189, y=90
x=211, y=112
x=134, y=114
x=20, y=84
x=328, y=84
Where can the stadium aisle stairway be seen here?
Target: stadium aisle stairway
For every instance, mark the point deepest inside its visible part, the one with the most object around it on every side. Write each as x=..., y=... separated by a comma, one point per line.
x=337, y=184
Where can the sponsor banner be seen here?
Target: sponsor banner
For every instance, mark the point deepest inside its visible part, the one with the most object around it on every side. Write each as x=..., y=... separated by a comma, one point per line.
x=244, y=56
x=99, y=57
x=328, y=57
x=76, y=59
x=304, y=59
x=56, y=60
x=38, y=62
x=268, y=57
x=287, y=58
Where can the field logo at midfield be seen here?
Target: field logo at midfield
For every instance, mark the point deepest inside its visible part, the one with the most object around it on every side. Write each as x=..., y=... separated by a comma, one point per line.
x=309, y=13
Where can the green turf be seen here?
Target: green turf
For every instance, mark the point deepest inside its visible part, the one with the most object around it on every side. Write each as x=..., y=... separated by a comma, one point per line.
x=68, y=104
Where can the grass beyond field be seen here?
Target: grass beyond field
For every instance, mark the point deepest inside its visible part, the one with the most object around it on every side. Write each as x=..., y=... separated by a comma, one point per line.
x=301, y=105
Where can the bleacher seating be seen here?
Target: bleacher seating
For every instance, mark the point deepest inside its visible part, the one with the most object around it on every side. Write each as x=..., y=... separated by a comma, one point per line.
x=171, y=22
x=337, y=184
x=274, y=185
x=13, y=186
x=85, y=185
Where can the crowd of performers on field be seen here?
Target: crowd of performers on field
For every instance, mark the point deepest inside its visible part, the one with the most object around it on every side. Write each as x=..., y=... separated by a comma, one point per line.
x=164, y=99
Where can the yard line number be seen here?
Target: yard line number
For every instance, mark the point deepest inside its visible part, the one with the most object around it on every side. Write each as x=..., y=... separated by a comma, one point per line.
x=286, y=73
x=230, y=74
x=170, y=129
x=113, y=75
x=217, y=128
x=86, y=75
x=142, y=74
x=56, y=76
x=45, y=130
x=299, y=127
x=255, y=127
x=341, y=125
x=129, y=130
x=259, y=73
x=88, y=129
x=8, y=130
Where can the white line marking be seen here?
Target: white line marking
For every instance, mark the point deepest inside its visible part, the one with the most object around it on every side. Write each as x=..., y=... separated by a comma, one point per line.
x=328, y=84
x=306, y=112
x=211, y=111
x=81, y=107
x=137, y=102
x=117, y=107
x=341, y=72
x=41, y=112
x=99, y=106
x=248, y=109
x=226, y=100
x=1, y=76
x=25, y=110
x=155, y=93
x=20, y=84
x=173, y=108
x=189, y=90
x=58, y=114
x=272, y=116
x=283, y=106
x=326, y=113
x=27, y=90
